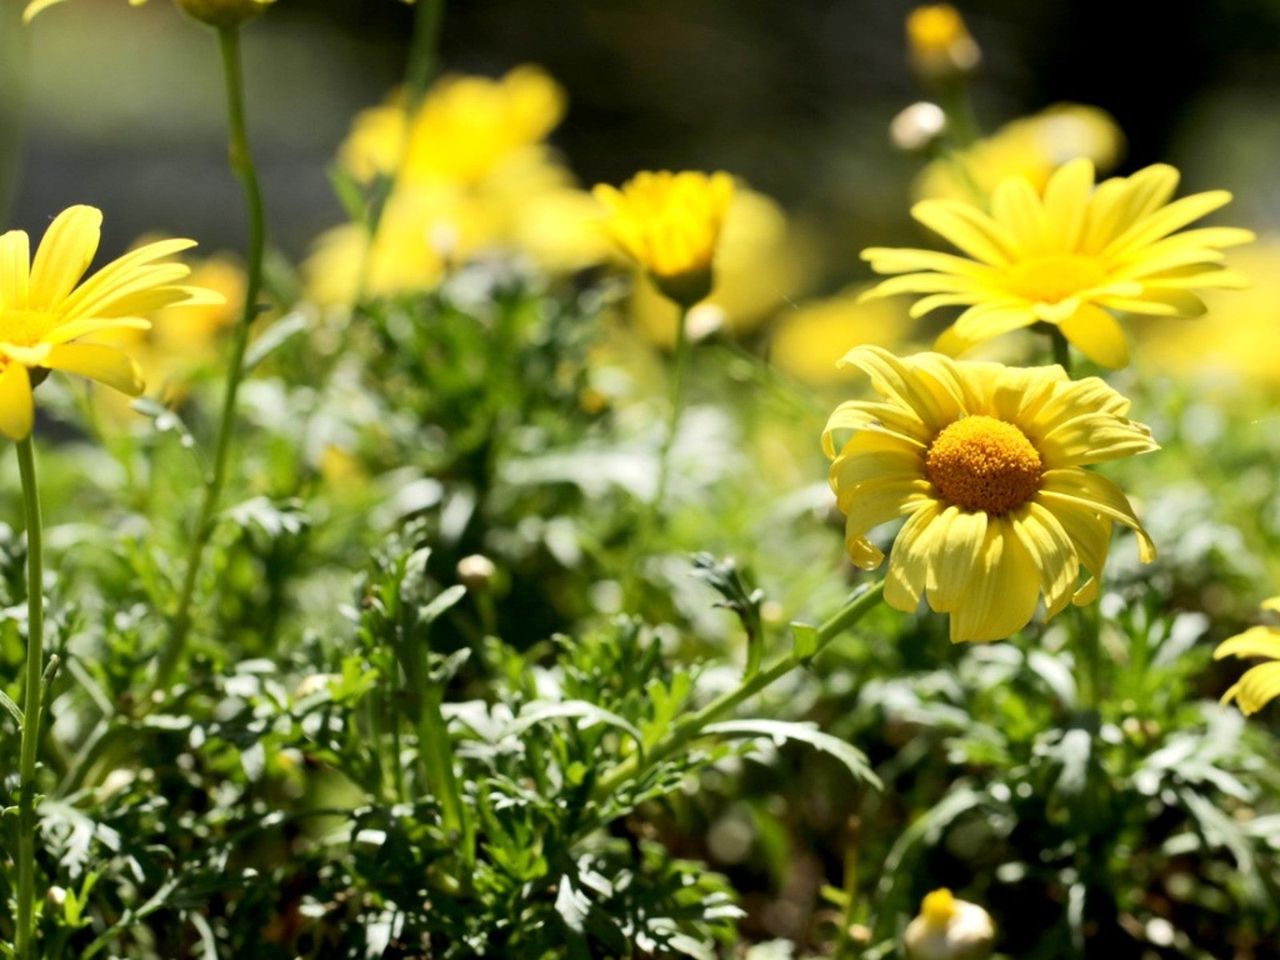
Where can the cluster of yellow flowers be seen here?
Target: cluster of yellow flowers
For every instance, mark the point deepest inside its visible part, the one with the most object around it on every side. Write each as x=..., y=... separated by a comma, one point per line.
x=471, y=173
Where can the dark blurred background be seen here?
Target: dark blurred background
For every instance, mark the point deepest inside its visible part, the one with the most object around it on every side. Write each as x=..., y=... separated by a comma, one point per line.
x=124, y=105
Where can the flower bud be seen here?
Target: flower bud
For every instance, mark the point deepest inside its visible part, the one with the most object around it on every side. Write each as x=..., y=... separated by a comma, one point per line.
x=918, y=127
x=476, y=572
x=950, y=929
x=939, y=44
x=224, y=13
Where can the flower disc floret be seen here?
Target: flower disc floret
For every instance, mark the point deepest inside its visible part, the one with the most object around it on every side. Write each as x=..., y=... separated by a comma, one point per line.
x=980, y=463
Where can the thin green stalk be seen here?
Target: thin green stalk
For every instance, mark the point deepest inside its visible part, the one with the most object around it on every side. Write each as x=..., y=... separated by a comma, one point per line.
x=31, y=706
x=1061, y=349
x=677, y=410
x=424, y=55
x=692, y=726
x=242, y=164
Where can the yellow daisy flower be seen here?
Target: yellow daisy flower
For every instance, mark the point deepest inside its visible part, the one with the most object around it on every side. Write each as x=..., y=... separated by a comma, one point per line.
x=1260, y=684
x=985, y=462
x=1069, y=257
x=45, y=308
x=669, y=224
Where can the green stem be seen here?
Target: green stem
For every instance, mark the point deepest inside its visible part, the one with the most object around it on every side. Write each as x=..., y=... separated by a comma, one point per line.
x=31, y=706
x=692, y=726
x=677, y=409
x=242, y=164
x=421, y=67
x=1061, y=349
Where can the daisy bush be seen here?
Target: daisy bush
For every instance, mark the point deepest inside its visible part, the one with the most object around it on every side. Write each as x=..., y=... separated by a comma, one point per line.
x=545, y=559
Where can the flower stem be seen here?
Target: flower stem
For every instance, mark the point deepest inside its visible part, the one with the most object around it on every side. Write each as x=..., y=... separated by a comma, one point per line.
x=420, y=68
x=242, y=164
x=692, y=726
x=677, y=409
x=1061, y=349
x=31, y=705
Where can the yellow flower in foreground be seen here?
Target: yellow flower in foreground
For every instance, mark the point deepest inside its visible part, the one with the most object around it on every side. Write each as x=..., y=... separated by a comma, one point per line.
x=938, y=42
x=1030, y=147
x=669, y=224
x=760, y=264
x=218, y=13
x=1068, y=257
x=43, y=311
x=986, y=462
x=808, y=342
x=1260, y=684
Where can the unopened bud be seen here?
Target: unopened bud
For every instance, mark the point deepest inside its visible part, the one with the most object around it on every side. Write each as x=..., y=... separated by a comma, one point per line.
x=950, y=929
x=939, y=44
x=476, y=572
x=224, y=13
x=918, y=127
x=57, y=897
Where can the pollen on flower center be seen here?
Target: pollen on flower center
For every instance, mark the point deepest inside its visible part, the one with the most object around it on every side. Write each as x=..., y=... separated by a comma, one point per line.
x=981, y=463
x=1051, y=279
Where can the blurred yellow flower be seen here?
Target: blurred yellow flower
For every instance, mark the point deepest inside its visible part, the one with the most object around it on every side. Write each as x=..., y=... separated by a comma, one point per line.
x=1068, y=257
x=218, y=13
x=939, y=44
x=986, y=463
x=45, y=308
x=473, y=177
x=1260, y=684
x=465, y=131
x=949, y=929
x=1240, y=334
x=1030, y=147
x=809, y=342
x=185, y=337
x=761, y=262
x=669, y=224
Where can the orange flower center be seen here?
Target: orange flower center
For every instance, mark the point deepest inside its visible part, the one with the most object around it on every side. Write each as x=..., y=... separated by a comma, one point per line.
x=24, y=328
x=1054, y=278
x=981, y=463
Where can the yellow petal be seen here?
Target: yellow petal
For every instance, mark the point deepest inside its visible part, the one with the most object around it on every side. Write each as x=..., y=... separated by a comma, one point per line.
x=1003, y=591
x=15, y=270
x=1258, y=687
x=17, y=411
x=954, y=557
x=106, y=364
x=1098, y=336
x=1254, y=642
x=64, y=255
x=909, y=562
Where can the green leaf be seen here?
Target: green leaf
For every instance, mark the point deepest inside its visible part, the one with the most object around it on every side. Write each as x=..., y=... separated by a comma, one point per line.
x=448, y=598
x=14, y=710
x=723, y=577
x=854, y=760
x=540, y=711
x=273, y=337
x=806, y=640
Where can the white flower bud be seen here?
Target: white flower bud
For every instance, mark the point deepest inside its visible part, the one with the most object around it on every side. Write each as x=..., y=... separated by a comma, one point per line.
x=476, y=572
x=917, y=127
x=950, y=929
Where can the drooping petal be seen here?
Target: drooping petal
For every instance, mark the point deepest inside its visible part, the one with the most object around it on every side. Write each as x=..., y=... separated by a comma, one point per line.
x=1097, y=335
x=17, y=410
x=1003, y=591
x=105, y=364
